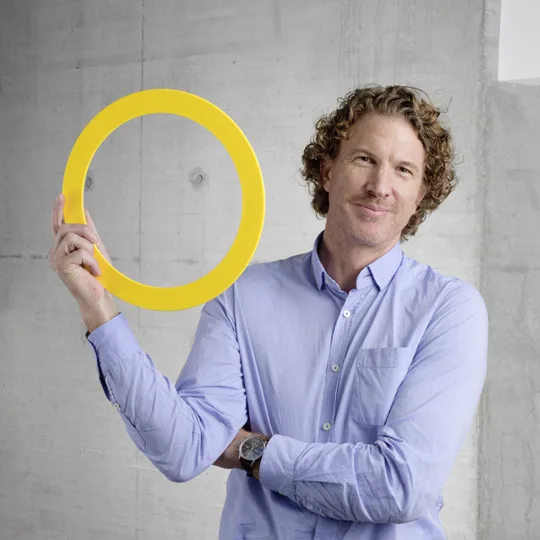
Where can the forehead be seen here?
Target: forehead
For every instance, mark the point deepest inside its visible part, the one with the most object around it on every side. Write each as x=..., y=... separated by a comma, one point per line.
x=391, y=135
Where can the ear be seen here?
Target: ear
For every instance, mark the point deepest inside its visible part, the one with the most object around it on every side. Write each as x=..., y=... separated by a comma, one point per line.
x=326, y=173
x=421, y=195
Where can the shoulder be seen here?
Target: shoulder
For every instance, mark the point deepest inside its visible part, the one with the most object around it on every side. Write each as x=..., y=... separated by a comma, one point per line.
x=440, y=292
x=270, y=273
x=266, y=287
x=266, y=279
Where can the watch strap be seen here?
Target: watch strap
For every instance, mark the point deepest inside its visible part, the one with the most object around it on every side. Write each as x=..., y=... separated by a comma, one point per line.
x=248, y=466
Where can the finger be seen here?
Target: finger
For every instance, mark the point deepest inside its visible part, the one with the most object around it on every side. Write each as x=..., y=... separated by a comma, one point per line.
x=71, y=242
x=57, y=218
x=81, y=257
x=93, y=227
x=91, y=223
x=77, y=228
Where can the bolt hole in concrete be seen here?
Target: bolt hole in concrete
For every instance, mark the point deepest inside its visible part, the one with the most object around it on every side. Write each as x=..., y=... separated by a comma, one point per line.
x=166, y=199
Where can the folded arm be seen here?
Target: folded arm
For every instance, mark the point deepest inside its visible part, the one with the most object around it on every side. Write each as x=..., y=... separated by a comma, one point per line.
x=182, y=428
x=399, y=477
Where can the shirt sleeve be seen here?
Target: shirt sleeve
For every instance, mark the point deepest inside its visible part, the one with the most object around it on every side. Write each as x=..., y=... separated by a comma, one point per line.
x=399, y=477
x=181, y=428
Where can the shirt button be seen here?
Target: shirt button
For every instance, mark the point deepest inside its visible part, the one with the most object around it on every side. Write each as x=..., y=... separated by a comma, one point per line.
x=335, y=368
x=327, y=426
x=346, y=313
x=116, y=406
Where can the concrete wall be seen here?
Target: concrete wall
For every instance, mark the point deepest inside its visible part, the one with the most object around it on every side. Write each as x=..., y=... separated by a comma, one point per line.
x=67, y=468
x=510, y=436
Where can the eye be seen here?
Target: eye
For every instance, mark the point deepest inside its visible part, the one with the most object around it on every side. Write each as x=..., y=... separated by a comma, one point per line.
x=405, y=170
x=365, y=159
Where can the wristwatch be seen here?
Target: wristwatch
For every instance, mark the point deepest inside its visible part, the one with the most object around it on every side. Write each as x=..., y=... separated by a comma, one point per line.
x=250, y=451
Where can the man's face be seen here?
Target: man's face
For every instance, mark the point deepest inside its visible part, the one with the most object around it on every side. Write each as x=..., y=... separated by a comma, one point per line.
x=380, y=166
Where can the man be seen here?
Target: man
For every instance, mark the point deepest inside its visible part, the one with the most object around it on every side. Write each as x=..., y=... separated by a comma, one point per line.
x=355, y=371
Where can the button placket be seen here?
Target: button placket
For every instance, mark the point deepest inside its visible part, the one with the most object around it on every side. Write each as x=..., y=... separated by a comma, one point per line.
x=336, y=354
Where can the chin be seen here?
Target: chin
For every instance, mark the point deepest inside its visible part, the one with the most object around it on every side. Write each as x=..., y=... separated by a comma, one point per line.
x=368, y=241
x=372, y=238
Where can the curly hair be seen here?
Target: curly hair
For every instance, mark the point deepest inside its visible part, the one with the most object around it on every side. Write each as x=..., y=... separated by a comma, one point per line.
x=439, y=178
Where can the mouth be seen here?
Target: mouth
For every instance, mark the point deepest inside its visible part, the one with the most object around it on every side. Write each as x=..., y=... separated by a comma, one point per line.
x=371, y=210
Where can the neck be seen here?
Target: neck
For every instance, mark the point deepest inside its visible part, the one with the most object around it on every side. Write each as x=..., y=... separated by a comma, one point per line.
x=343, y=258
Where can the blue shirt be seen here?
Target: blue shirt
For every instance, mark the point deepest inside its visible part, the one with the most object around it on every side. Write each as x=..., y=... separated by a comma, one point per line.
x=368, y=396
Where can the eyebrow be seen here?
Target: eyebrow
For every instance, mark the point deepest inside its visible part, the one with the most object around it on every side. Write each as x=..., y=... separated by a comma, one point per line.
x=403, y=163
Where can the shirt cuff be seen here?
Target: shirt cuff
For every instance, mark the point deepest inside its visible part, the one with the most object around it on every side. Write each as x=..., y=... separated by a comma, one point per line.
x=278, y=464
x=113, y=342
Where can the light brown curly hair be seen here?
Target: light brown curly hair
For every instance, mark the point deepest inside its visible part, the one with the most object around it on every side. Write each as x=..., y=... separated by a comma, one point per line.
x=439, y=178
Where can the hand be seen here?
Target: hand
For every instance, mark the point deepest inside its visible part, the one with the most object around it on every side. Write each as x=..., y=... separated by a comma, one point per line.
x=229, y=459
x=72, y=258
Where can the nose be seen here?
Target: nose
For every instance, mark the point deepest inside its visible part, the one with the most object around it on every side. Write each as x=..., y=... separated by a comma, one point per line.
x=379, y=183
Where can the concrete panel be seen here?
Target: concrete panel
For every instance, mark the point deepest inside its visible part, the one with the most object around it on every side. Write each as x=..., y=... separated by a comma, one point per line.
x=509, y=443
x=52, y=494
x=67, y=466
x=510, y=501
x=186, y=216
x=60, y=63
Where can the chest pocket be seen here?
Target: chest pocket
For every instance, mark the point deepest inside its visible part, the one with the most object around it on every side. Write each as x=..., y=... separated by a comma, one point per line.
x=378, y=374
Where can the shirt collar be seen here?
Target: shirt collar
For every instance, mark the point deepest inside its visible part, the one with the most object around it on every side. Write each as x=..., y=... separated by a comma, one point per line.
x=382, y=270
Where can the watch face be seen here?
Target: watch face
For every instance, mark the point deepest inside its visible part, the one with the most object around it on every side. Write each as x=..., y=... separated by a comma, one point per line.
x=252, y=449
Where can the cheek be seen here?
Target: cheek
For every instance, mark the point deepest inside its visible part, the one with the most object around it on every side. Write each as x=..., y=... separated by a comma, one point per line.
x=336, y=187
x=411, y=208
x=411, y=198
x=407, y=206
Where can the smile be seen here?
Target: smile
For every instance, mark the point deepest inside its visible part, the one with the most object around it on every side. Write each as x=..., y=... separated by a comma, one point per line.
x=372, y=211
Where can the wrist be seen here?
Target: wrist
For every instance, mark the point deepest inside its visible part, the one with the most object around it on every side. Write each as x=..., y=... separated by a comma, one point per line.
x=249, y=464
x=95, y=316
x=256, y=469
x=257, y=464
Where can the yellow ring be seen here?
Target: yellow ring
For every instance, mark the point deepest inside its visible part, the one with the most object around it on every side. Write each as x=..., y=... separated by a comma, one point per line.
x=168, y=101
